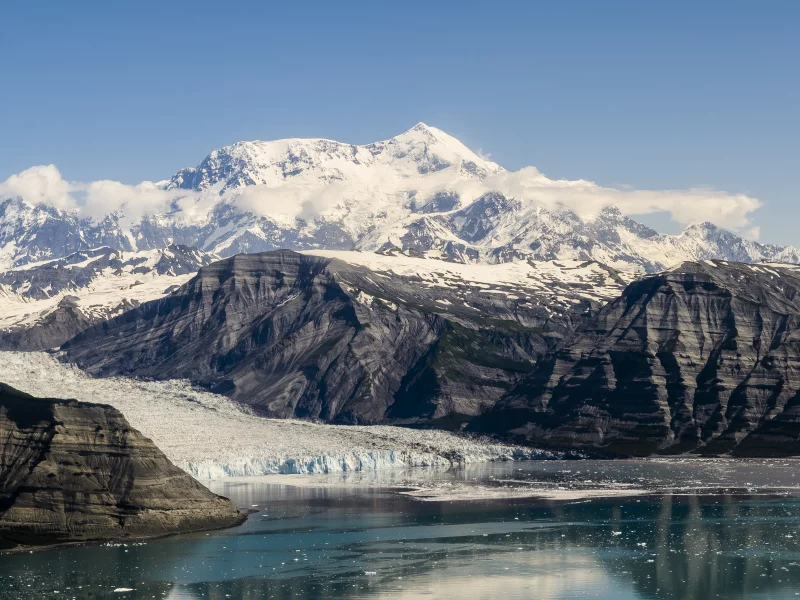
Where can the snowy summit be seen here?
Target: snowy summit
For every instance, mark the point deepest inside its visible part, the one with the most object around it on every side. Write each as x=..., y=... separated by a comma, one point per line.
x=422, y=191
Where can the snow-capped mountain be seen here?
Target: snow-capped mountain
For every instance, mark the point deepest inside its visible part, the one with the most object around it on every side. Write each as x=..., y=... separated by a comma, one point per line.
x=421, y=191
x=496, y=229
x=44, y=304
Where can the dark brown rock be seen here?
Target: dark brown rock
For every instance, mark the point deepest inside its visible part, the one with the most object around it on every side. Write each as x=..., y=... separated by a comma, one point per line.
x=305, y=336
x=73, y=471
x=702, y=358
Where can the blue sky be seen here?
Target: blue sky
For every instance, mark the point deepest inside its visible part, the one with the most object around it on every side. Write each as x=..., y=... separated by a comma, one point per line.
x=654, y=96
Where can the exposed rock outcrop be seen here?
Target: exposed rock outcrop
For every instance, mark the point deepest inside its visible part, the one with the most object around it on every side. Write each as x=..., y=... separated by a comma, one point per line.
x=701, y=358
x=44, y=304
x=72, y=471
x=310, y=336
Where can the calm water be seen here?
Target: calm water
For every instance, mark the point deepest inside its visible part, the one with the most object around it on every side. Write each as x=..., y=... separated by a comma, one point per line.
x=705, y=529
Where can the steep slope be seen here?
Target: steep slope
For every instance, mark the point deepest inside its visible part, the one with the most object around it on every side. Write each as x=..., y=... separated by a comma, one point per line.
x=355, y=338
x=73, y=471
x=422, y=190
x=44, y=304
x=257, y=196
x=704, y=357
x=497, y=229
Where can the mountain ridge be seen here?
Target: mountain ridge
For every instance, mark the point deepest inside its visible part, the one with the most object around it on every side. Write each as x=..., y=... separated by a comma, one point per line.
x=351, y=337
x=700, y=358
x=421, y=191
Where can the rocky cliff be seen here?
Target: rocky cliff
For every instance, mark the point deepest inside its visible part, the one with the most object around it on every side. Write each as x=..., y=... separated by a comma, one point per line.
x=73, y=471
x=320, y=337
x=701, y=358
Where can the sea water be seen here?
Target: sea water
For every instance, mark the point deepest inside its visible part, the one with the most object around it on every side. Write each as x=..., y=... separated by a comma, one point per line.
x=682, y=529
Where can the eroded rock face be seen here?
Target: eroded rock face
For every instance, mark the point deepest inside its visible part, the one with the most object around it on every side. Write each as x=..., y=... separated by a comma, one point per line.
x=308, y=336
x=703, y=358
x=72, y=471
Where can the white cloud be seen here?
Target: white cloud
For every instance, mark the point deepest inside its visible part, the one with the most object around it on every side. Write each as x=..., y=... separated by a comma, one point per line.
x=484, y=155
x=135, y=201
x=287, y=201
x=42, y=184
x=752, y=234
x=587, y=199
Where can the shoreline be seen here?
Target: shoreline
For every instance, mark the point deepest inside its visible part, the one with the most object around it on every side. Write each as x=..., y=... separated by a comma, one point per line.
x=558, y=481
x=244, y=514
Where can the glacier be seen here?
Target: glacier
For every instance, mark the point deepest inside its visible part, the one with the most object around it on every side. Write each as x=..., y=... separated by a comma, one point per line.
x=210, y=437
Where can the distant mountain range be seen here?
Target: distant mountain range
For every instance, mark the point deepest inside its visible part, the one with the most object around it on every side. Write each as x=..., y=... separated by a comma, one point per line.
x=44, y=304
x=422, y=192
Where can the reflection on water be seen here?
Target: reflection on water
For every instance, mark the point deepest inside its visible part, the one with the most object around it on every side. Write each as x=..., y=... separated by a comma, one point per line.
x=709, y=529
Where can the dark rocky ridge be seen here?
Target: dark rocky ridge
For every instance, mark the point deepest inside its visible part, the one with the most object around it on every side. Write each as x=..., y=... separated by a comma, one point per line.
x=76, y=273
x=306, y=336
x=702, y=358
x=52, y=329
x=73, y=471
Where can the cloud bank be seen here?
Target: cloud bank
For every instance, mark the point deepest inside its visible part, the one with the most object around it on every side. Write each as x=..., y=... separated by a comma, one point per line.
x=285, y=202
x=587, y=199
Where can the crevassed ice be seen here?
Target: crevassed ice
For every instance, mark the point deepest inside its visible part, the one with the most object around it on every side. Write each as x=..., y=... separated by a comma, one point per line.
x=210, y=436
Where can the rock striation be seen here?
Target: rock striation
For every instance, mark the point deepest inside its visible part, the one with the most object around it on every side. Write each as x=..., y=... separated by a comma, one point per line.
x=298, y=335
x=73, y=472
x=702, y=358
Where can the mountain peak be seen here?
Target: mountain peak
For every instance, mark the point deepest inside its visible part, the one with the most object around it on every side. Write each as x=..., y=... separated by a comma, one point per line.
x=424, y=131
x=432, y=140
x=701, y=228
x=315, y=163
x=611, y=211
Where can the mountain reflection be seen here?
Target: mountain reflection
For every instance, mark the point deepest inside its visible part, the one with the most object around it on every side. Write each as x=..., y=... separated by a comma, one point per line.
x=687, y=547
x=365, y=542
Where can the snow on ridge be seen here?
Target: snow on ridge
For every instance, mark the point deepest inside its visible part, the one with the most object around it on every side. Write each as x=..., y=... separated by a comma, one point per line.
x=99, y=299
x=99, y=290
x=587, y=278
x=210, y=436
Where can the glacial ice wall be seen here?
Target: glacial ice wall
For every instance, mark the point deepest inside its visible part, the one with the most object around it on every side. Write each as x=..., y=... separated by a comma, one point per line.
x=211, y=437
x=366, y=460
